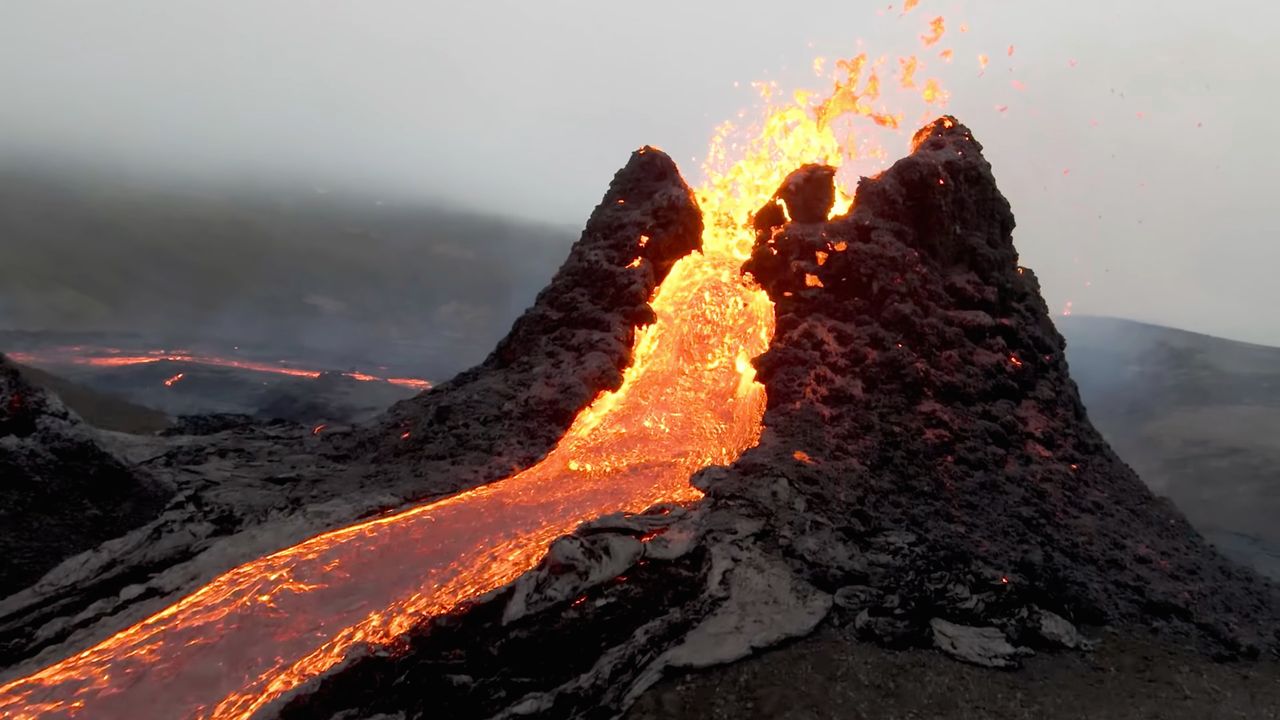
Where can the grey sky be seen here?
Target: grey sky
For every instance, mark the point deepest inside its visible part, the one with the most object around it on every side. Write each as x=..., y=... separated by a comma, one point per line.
x=528, y=108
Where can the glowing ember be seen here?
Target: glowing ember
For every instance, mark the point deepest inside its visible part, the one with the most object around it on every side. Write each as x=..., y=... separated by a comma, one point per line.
x=933, y=92
x=908, y=74
x=689, y=400
x=937, y=28
x=111, y=357
x=174, y=379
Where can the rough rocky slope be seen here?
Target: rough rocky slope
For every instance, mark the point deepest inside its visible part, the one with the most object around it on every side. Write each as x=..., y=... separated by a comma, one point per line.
x=927, y=476
x=61, y=492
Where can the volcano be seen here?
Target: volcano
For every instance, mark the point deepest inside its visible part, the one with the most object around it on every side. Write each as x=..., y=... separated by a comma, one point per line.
x=715, y=430
x=926, y=474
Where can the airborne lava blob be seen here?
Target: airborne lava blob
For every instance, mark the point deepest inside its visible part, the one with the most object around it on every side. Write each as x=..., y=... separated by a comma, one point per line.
x=688, y=401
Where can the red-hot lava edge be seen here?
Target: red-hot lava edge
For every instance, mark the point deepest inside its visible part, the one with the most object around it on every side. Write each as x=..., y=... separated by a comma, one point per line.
x=112, y=357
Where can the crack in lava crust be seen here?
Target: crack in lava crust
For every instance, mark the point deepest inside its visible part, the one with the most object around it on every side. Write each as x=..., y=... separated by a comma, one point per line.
x=689, y=400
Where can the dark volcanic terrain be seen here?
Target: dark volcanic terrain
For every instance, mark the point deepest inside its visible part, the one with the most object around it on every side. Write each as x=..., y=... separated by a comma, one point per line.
x=928, y=488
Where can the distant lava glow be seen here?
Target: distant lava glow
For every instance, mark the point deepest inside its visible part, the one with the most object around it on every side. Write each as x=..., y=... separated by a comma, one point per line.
x=112, y=357
x=688, y=401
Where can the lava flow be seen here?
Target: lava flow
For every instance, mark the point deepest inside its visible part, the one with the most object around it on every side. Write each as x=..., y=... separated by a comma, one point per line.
x=688, y=401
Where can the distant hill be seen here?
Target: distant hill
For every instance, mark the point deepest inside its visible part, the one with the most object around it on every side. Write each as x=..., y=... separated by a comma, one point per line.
x=425, y=287
x=1197, y=416
x=102, y=410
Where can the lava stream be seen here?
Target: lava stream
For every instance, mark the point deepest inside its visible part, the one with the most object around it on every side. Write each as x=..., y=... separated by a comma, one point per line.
x=688, y=401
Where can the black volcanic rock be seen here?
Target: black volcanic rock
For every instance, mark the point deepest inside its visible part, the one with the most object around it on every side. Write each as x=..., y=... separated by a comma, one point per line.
x=60, y=492
x=809, y=193
x=806, y=196
x=573, y=344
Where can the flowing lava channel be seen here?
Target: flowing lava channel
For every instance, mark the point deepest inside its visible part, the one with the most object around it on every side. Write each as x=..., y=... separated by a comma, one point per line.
x=689, y=400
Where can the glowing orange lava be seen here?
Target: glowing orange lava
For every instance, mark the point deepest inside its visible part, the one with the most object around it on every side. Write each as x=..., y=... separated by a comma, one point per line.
x=688, y=401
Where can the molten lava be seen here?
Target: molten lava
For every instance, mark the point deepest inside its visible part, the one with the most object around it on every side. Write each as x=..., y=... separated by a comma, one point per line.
x=688, y=401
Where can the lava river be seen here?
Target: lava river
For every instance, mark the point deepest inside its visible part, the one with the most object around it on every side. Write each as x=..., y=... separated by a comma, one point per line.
x=689, y=400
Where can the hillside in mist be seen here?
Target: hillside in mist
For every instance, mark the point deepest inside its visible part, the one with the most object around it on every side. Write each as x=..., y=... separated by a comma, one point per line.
x=427, y=287
x=1197, y=416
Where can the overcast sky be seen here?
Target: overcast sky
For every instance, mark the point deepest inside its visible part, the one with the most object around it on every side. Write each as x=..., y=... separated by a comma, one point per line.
x=1137, y=156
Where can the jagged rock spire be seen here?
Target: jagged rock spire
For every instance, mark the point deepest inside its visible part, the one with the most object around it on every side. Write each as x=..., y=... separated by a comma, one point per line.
x=571, y=345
